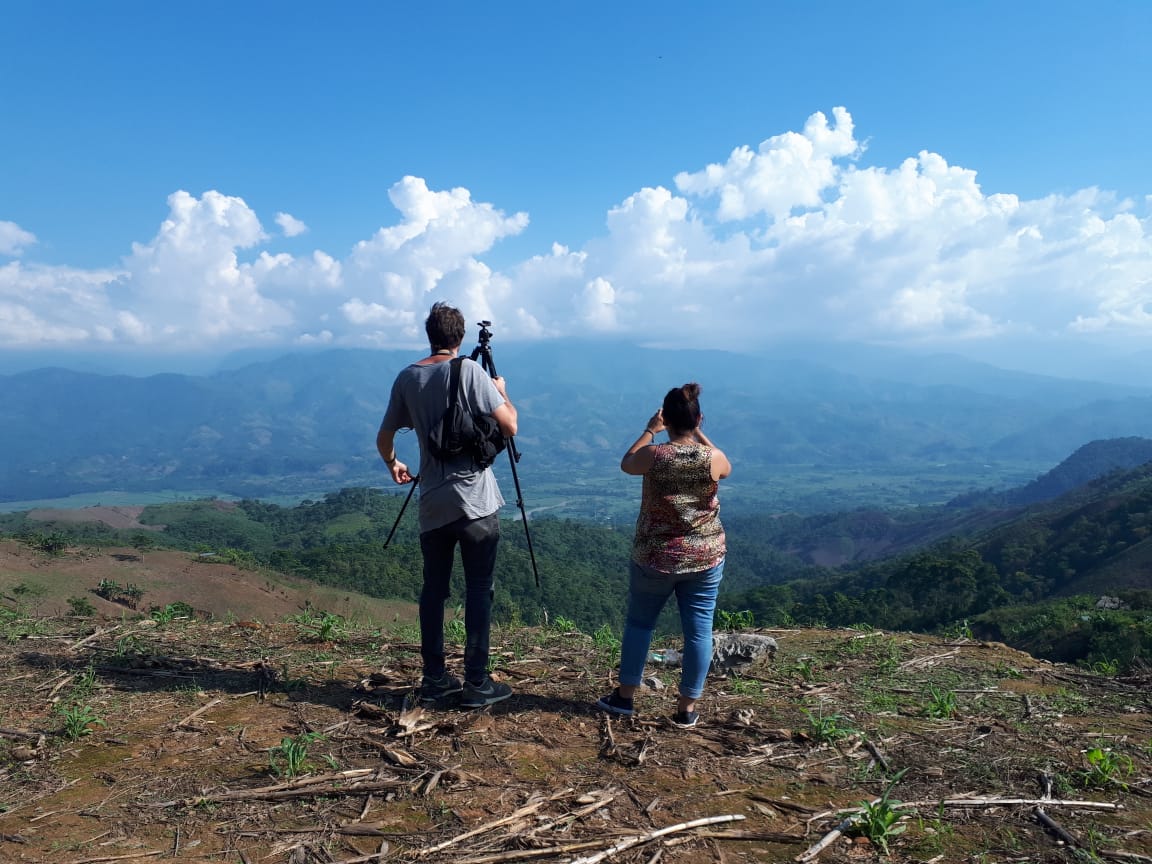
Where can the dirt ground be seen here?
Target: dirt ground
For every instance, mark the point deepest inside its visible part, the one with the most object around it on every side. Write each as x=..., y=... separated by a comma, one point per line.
x=228, y=742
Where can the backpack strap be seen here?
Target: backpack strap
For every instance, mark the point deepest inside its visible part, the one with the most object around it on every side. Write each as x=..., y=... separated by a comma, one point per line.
x=454, y=384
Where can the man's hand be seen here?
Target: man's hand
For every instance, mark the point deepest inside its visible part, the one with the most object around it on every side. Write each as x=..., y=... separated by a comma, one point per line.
x=500, y=386
x=400, y=473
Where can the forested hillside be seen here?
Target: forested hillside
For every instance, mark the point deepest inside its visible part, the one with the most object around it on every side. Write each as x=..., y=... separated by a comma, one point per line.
x=1017, y=581
x=1093, y=460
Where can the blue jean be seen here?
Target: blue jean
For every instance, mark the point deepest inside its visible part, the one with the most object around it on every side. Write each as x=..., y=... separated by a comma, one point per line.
x=648, y=591
x=478, y=539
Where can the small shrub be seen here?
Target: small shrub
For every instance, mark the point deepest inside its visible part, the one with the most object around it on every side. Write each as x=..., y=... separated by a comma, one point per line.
x=742, y=620
x=606, y=640
x=29, y=591
x=81, y=607
x=564, y=625
x=132, y=595
x=109, y=589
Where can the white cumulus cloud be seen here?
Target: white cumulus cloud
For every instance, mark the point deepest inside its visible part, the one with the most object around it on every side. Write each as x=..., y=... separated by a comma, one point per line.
x=794, y=236
x=14, y=239
x=290, y=225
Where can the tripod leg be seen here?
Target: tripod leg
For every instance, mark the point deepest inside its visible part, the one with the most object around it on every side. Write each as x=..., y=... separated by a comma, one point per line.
x=489, y=366
x=403, y=507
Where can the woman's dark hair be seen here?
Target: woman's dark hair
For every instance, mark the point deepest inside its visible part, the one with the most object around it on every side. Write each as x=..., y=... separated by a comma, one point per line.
x=682, y=408
x=444, y=326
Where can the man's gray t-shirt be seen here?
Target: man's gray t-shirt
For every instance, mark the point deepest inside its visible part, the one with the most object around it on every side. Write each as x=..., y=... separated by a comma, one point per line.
x=454, y=489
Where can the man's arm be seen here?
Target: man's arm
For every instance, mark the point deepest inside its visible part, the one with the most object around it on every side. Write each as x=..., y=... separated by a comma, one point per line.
x=386, y=445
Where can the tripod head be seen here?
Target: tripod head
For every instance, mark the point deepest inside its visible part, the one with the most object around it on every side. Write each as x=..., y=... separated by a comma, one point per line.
x=485, y=333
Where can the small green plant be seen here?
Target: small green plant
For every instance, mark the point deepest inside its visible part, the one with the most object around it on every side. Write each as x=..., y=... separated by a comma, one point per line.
x=126, y=646
x=741, y=620
x=959, y=630
x=84, y=685
x=564, y=625
x=15, y=624
x=941, y=703
x=50, y=544
x=132, y=595
x=322, y=626
x=889, y=657
x=881, y=702
x=81, y=607
x=1065, y=701
x=828, y=728
x=1106, y=768
x=79, y=720
x=743, y=686
x=803, y=669
x=879, y=821
x=290, y=757
x=29, y=591
x=606, y=640
x=172, y=612
x=454, y=630
x=1107, y=668
x=109, y=589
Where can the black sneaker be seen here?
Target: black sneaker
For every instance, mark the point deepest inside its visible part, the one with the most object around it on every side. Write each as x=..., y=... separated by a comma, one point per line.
x=433, y=689
x=685, y=719
x=614, y=703
x=488, y=693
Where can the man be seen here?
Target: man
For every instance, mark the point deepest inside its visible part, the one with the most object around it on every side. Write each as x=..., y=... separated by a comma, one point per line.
x=458, y=505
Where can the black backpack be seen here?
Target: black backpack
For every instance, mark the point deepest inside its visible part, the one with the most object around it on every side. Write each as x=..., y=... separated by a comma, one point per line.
x=460, y=432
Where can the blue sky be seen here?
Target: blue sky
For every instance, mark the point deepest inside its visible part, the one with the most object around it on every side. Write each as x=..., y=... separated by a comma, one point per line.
x=286, y=174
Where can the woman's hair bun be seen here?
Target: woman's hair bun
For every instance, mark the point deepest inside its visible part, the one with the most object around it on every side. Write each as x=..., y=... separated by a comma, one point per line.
x=682, y=407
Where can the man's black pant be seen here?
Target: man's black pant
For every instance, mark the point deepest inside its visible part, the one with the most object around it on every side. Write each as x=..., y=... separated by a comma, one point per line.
x=478, y=539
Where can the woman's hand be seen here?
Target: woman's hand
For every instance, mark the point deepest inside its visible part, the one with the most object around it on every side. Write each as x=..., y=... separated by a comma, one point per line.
x=638, y=459
x=656, y=422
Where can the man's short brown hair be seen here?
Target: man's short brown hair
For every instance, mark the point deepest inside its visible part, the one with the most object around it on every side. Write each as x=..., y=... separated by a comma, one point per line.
x=444, y=326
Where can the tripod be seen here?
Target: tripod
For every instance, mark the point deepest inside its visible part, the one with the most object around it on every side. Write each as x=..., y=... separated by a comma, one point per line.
x=482, y=354
x=483, y=351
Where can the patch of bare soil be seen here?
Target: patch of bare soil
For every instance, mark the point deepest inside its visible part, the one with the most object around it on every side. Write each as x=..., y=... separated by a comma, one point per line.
x=210, y=742
x=166, y=576
x=125, y=518
x=122, y=518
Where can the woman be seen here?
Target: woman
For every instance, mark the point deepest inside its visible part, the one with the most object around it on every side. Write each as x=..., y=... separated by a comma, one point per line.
x=679, y=548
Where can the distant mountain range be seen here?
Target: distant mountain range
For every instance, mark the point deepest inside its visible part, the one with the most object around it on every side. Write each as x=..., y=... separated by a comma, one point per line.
x=308, y=421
